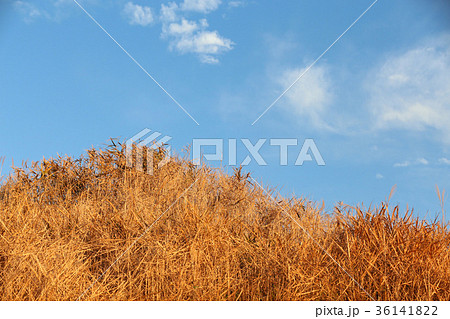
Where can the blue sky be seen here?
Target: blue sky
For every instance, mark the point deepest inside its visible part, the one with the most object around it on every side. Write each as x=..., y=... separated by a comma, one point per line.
x=377, y=104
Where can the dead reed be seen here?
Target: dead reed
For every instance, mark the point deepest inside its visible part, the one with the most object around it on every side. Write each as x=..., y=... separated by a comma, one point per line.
x=64, y=222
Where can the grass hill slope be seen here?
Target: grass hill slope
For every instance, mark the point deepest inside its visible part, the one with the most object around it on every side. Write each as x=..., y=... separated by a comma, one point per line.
x=94, y=229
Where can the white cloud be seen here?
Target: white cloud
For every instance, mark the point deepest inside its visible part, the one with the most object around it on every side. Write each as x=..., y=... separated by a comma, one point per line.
x=184, y=28
x=208, y=59
x=379, y=176
x=187, y=36
x=422, y=161
x=444, y=160
x=204, y=43
x=419, y=161
x=204, y=6
x=411, y=90
x=169, y=12
x=235, y=4
x=402, y=164
x=310, y=96
x=138, y=15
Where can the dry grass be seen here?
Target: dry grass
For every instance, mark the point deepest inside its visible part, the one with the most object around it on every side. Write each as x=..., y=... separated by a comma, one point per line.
x=63, y=222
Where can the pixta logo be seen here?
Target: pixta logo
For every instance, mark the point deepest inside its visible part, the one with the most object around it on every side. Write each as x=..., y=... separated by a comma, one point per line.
x=253, y=151
x=139, y=143
x=140, y=150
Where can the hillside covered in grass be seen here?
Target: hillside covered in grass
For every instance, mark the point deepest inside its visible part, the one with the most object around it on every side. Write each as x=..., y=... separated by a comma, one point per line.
x=94, y=229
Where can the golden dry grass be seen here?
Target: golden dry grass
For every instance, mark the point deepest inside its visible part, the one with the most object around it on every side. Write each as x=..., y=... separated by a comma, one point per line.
x=64, y=222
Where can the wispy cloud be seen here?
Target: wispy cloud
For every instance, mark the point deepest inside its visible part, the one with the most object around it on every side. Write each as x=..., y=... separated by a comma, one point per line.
x=138, y=15
x=311, y=96
x=410, y=90
x=52, y=10
x=402, y=164
x=203, y=6
x=379, y=176
x=422, y=161
x=419, y=161
x=236, y=4
x=29, y=11
x=444, y=160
